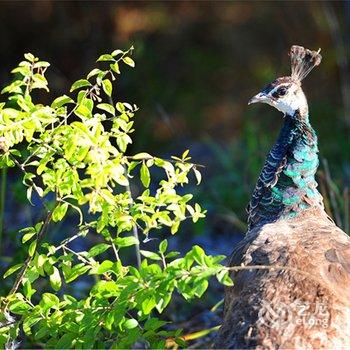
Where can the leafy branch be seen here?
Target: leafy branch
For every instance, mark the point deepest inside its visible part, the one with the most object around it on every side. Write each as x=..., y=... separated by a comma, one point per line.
x=31, y=253
x=74, y=150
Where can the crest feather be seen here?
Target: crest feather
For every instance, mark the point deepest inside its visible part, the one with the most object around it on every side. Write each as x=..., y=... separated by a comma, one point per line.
x=303, y=61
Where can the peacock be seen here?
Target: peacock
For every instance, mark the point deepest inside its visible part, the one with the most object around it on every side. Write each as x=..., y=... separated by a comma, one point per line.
x=291, y=272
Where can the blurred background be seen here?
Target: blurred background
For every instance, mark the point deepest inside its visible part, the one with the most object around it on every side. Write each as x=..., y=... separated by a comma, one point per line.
x=197, y=65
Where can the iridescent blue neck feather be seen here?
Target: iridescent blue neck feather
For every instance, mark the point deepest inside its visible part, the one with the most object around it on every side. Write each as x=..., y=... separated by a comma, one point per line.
x=287, y=184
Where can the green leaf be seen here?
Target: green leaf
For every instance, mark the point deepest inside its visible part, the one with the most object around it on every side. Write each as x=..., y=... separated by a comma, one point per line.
x=106, y=107
x=185, y=154
x=154, y=323
x=39, y=191
x=20, y=307
x=12, y=269
x=148, y=305
x=31, y=249
x=73, y=273
x=117, y=52
x=95, y=71
x=28, y=290
x=175, y=227
x=129, y=61
x=198, y=175
x=107, y=265
x=82, y=111
x=122, y=141
x=172, y=255
x=79, y=84
x=29, y=57
x=49, y=300
x=29, y=194
x=224, y=277
x=131, y=323
x=142, y=155
x=200, y=286
x=55, y=279
x=98, y=249
x=163, y=246
x=198, y=254
x=61, y=101
x=107, y=87
x=65, y=342
x=115, y=67
x=29, y=322
x=27, y=237
x=42, y=332
x=105, y=57
x=145, y=175
x=48, y=267
x=164, y=301
x=126, y=241
x=60, y=212
x=150, y=255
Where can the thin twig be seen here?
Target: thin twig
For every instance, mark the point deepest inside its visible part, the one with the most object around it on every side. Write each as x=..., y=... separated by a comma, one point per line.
x=25, y=266
x=65, y=242
x=271, y=268
x=32, y=154
x=2, y=203
x=30, y=81
x=35, y=187
x=134, y=226
x=79, y=256
x=3, y=325
x=86, y=261
x=115, y=250
x=167, y=160
x=135, y=232
x=91, y=89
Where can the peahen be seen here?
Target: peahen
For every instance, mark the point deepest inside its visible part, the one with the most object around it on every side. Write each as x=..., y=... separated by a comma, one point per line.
x=292, y=287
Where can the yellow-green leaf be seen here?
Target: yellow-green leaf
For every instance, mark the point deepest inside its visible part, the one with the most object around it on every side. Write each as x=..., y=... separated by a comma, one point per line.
x=129, y=61
x=12, y=269
x=59, y=212
x=145, y=175
x=55, y=279
x=79, y=84
x=107, y=87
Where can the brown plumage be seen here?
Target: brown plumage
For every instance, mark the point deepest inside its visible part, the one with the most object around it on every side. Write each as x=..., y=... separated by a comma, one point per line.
x=304, y=302
x=297, y=293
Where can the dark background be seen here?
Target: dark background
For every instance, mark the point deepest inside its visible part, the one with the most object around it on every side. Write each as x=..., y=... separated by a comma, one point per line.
x=197, y=65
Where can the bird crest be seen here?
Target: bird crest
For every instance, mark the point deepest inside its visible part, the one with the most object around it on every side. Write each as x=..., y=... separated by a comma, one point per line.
x=303, y=61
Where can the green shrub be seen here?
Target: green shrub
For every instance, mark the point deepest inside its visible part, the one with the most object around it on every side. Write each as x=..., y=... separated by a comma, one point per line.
x=72, y=155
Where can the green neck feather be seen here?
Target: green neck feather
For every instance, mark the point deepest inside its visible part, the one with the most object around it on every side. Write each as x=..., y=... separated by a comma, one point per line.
x=287, y=184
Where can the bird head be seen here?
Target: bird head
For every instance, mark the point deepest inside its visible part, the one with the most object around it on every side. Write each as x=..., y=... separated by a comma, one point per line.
x=285, y=93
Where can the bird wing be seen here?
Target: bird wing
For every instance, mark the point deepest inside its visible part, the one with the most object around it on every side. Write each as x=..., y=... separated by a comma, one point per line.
x=311, y=243
x=336, y=266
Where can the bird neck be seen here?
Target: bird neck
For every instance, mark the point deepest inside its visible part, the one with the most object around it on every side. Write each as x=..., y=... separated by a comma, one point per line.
x=287, y=185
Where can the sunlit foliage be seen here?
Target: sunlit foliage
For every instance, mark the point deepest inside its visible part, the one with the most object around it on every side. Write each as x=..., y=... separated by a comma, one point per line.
x=73, y=156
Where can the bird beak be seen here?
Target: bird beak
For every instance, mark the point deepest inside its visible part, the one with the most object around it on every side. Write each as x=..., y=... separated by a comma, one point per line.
x=260, y=97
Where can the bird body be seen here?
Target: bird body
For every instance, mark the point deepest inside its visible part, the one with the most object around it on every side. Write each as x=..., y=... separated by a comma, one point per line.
x=292, y=270
x=301, y=303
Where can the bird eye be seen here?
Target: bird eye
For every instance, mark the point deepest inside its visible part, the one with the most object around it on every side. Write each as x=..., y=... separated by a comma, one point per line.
x=282, y=91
